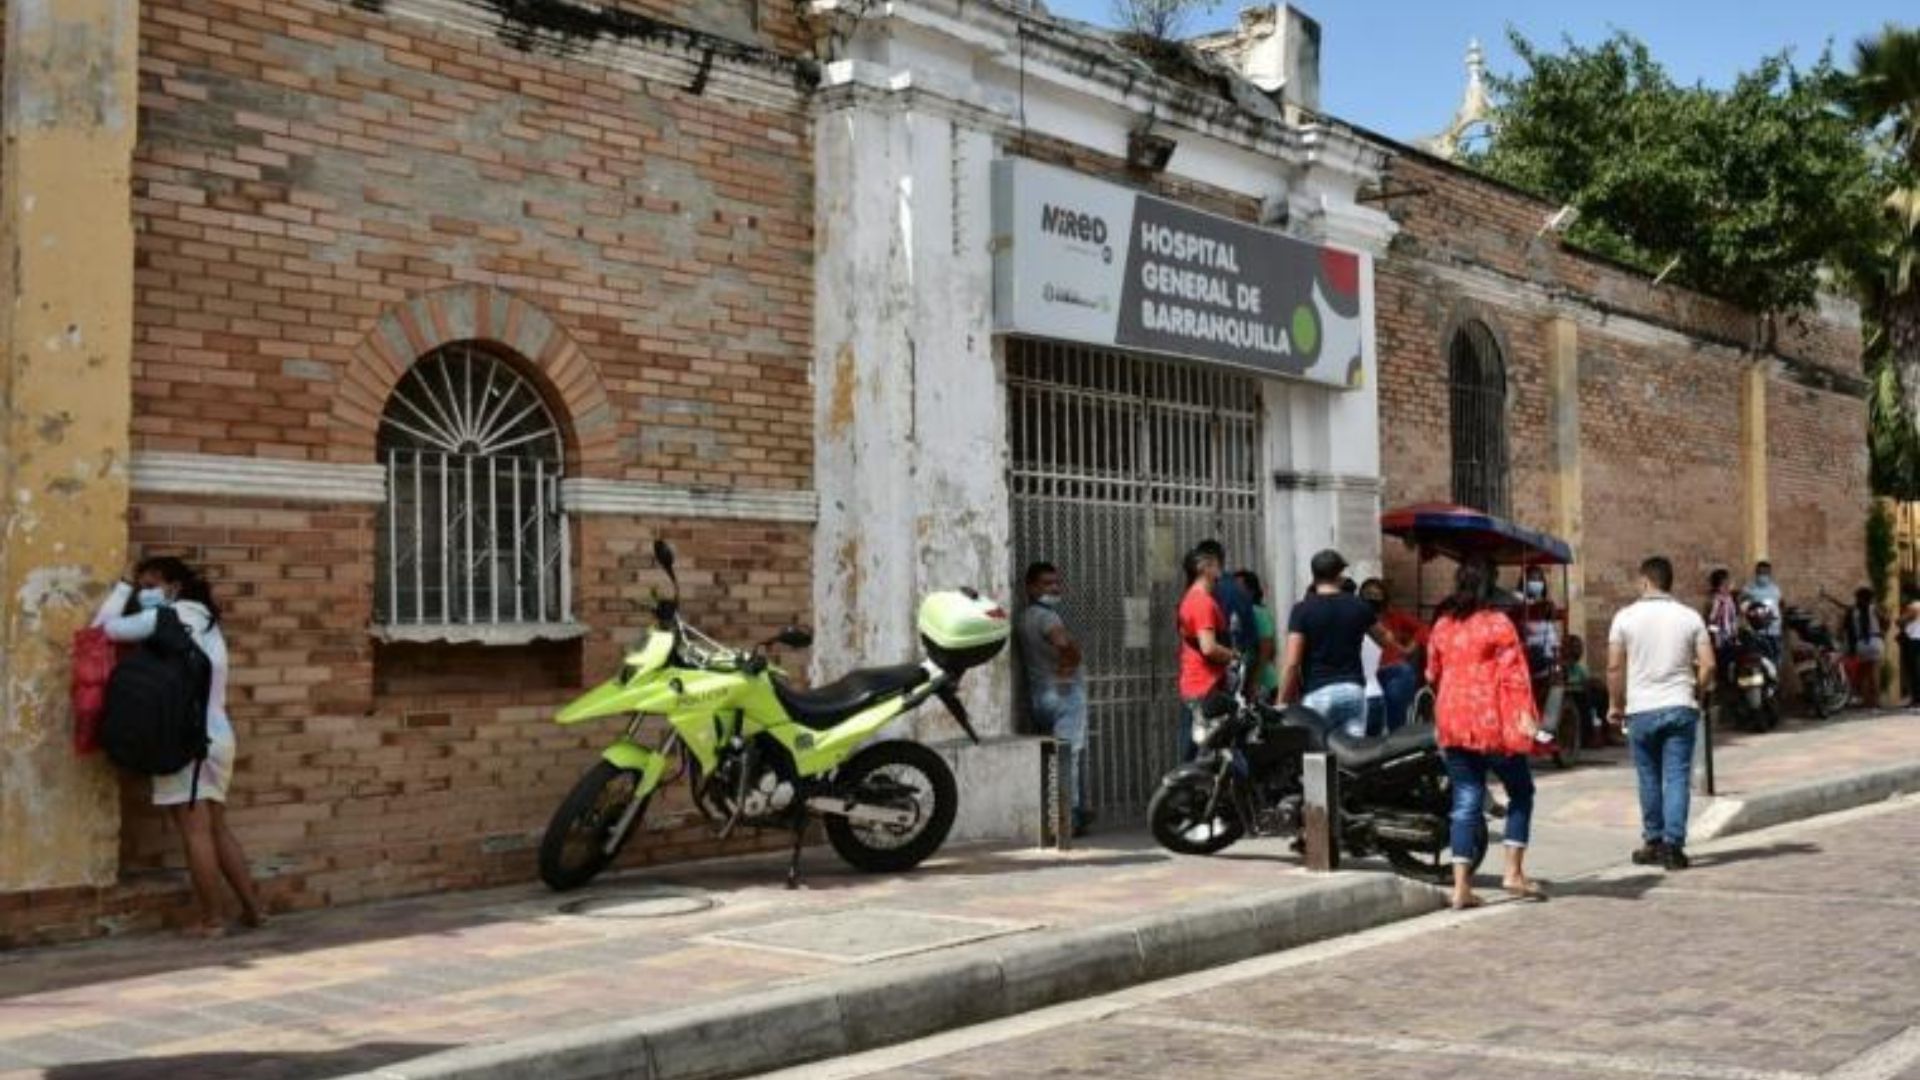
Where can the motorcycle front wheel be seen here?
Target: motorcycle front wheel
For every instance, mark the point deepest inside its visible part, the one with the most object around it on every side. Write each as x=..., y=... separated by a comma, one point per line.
x=1178, y=816
x=1830, y=693
x=574, y=849
x=1431, y=866
x=900, y=775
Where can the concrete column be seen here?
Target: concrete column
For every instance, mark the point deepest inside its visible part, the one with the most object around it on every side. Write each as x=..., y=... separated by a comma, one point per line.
x=910, y=401
x=1753, y=460
x=66, y=316
x=1563, y=391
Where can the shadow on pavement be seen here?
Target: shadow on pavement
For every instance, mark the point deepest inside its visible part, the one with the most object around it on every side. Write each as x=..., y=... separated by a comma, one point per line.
x=279, y=1065
x=1753, y=854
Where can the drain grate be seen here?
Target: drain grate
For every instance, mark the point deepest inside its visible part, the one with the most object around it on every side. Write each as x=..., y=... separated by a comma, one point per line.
x=656, y=904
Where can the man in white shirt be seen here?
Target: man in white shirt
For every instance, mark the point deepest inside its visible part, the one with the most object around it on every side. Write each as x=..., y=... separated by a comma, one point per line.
x=1659, y=665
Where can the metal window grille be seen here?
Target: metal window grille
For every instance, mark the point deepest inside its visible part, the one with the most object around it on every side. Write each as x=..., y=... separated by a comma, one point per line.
x=472, y=532
x=1478, y=394
x=1118, y=464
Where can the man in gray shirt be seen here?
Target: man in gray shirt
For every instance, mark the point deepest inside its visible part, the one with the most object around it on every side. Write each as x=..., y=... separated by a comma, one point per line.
x=1056, y=683
x=1659, y=665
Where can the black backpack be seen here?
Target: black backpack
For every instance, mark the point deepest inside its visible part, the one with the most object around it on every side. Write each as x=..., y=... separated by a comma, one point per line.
x=155, y=721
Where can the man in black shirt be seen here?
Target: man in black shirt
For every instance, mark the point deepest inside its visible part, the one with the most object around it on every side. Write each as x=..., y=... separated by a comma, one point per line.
x=1324, y=632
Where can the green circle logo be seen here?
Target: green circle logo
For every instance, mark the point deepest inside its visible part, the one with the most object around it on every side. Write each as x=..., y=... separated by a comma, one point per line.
x=1306, y=331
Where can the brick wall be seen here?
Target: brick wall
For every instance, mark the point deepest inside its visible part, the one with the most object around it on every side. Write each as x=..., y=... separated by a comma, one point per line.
x=304, y=166
x=310, y=174
x=1659, y=414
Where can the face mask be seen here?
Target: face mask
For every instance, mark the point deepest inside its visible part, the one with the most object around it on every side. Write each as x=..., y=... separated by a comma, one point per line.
x=1375, y=602
x=1536, y=589
x=151, y=598
x=1047, y=600
x=1764, y=580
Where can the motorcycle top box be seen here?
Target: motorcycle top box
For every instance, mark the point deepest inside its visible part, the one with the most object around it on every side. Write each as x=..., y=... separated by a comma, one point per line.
x=962, y=629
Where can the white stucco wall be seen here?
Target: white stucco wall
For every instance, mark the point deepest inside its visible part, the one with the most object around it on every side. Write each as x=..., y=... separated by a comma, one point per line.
x=910, y=399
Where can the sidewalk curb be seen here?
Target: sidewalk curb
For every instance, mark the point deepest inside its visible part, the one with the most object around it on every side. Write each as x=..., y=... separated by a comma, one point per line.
x=1797, y=802
x=901, y=1000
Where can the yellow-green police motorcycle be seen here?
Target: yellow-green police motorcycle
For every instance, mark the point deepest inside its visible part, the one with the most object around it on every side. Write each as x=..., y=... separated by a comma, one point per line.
x=760, y=752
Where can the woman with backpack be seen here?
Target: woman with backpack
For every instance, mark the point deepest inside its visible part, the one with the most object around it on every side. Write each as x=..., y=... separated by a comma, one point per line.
x=195, y=797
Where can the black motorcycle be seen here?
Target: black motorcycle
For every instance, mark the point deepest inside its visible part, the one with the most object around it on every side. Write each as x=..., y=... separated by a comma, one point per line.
x=1749, y=680
x=1395, y=798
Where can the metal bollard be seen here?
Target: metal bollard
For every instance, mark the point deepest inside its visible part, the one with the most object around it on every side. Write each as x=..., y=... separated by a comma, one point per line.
x=1320, y=814
x=1056, y=820
x=1703, y=762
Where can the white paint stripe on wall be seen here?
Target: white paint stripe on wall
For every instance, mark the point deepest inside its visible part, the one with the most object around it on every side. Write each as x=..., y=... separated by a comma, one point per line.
x=328, y=482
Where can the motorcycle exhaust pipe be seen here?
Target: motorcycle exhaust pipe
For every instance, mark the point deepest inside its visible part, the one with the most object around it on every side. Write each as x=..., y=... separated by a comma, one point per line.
x=860, y=813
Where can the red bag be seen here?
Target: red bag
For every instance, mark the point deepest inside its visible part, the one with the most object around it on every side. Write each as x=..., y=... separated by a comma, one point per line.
x=93, y=659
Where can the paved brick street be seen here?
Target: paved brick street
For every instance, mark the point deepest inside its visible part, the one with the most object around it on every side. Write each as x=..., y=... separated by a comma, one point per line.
x=332, y=992
x=1785, y=955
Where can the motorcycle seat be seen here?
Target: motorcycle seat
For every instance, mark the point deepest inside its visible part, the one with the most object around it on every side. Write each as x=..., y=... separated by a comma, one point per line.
x=824, y=706
x=1363, y=753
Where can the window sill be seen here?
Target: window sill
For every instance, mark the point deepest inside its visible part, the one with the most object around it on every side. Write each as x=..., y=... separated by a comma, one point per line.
x=478, y=633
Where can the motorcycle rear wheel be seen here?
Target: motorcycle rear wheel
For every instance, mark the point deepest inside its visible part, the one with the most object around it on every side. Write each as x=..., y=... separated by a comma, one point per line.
x=573, y=851
x=1435, y=867
x=1175, y=812
x=1830, y=693
x=880, y=849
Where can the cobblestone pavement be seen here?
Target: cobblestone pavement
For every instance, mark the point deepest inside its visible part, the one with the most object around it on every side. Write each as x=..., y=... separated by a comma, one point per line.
x=331, y=992
x=1789, y=955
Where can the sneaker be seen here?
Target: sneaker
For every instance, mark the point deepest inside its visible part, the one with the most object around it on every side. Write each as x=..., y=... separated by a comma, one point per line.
x=1651, y=853
x=1675, y=859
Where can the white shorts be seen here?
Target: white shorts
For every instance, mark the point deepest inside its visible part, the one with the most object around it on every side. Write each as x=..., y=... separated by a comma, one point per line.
x=174, y=789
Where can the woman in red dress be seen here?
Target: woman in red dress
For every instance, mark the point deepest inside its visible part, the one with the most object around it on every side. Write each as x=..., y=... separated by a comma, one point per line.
x=1486, y=721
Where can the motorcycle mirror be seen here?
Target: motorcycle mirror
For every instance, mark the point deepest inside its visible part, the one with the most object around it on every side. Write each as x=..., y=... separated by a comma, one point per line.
x=663, y=554
x=794, y=637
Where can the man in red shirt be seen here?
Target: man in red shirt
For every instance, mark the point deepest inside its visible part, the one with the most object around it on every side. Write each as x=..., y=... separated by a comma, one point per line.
x=1398, y=678
x=1204, y=654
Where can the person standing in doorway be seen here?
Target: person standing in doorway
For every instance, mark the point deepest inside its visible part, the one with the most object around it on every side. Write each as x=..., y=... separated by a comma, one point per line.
x=1236, y=603
x=1324, y=632
x=1268, y=679
x=1485, y=721
x=1659, y=664
x=195, y=798
x=1867, y=644
x=1204, y=652
x=1056, y=681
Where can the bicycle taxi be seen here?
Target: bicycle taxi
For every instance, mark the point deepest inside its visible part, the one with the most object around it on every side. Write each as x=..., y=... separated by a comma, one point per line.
x=1457, y=534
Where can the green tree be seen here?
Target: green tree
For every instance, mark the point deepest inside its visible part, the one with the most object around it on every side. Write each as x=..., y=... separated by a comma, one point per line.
x=1884, y=98
x=1744, y=192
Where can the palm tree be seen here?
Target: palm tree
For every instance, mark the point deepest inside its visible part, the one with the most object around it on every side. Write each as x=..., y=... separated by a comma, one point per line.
x=1886, y=100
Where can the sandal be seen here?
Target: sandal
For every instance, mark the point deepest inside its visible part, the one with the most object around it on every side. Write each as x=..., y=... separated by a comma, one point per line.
x=1531, y=891
x=203, y=931
x=1467, y=904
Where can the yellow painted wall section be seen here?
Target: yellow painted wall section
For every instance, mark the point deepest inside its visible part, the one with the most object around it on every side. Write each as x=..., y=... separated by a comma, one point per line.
x=1753, y=459
x=66, y=317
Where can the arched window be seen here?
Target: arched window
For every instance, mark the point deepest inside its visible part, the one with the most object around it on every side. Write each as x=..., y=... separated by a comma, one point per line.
x=1477, y=385
x=473, y=543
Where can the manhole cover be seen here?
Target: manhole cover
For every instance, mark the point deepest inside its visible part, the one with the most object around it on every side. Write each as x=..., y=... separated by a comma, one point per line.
x=864, y=935
x=649, y=906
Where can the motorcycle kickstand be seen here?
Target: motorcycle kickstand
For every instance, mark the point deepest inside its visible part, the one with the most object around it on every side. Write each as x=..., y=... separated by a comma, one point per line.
x=793, y=865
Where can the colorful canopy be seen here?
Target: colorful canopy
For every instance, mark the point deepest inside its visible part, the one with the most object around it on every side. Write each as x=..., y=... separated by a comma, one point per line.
x=1461, y=533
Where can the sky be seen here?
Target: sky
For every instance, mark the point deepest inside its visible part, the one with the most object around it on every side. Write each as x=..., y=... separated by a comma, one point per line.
x=1398, y=66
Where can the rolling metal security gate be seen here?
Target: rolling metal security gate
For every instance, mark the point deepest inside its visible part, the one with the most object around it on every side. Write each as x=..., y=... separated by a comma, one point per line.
x=1118, y=466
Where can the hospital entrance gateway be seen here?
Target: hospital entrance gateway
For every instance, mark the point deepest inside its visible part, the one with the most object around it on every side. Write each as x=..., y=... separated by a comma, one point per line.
x=1158, y=365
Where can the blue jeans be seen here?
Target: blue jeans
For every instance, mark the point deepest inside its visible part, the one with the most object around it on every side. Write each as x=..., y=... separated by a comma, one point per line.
x=1398, y=685
x=1662, y=743
x=1060, y=710
x=1341, y=705
x=1468, y=770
